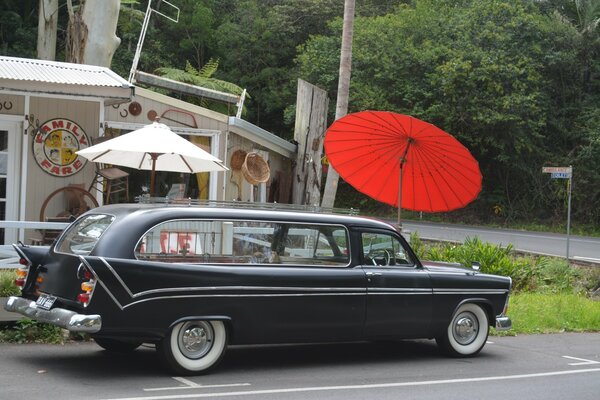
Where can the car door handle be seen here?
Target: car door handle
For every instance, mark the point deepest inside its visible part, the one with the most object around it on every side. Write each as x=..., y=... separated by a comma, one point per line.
x=374, y=273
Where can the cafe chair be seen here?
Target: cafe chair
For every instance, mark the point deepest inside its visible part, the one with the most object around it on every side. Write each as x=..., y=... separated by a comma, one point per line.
x=109, y=180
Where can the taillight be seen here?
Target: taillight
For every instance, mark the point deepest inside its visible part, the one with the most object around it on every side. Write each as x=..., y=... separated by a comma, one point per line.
x=22, y=273
x=87, y=286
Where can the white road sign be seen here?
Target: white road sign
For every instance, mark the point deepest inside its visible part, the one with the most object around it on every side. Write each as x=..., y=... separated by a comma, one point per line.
x=554, y=170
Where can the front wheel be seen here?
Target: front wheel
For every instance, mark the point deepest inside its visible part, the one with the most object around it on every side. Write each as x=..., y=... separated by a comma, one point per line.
x=193, y=347
x=467, y=332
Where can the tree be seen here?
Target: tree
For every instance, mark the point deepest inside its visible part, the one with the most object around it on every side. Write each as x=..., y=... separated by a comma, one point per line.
x=47, y=29
x=91, y=37
x=341, y=108
x=17, y=28
x=498, y=75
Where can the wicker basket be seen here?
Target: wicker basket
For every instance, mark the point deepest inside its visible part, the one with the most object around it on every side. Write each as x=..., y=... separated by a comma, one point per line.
x=255, y=169
x=237, y=159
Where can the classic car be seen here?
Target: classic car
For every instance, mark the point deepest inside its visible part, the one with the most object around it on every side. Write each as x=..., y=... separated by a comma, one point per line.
x=194, y=279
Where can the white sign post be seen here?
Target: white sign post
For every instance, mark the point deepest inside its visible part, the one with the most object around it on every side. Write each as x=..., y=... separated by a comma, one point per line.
x=563, y=173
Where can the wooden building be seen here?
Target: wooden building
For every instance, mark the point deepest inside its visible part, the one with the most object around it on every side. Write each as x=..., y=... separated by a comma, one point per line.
x=49, y=110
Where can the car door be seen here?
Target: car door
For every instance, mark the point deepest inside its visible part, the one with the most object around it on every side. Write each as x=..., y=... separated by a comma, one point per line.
x=399, y=293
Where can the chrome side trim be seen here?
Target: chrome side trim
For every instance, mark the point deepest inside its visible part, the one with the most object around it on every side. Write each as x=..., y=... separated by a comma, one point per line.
x=57, y=316
x=240, y=296
x=326, y=290
x=101, y=282
x=378, y=290
x=112, y=296
x=21, y=254
x=470, y=291
x=111, y=269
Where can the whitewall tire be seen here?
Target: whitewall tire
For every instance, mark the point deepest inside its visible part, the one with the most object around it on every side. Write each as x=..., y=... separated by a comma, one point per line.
x=194, y=347
x=467, y=332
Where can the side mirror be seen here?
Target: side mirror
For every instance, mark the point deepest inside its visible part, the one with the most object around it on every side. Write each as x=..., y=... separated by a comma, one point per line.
x=475, y=265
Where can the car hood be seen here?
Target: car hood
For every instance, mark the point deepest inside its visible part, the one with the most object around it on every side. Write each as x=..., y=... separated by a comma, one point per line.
x=438, y=266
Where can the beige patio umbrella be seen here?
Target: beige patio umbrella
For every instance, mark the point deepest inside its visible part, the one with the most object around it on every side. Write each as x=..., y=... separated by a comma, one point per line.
x=154, y=147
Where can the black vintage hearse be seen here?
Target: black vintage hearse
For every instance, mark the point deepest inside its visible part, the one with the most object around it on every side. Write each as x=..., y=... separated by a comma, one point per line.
x=194, y=279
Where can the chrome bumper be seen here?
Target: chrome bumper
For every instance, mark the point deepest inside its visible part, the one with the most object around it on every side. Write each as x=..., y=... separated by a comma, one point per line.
x=57, y=316
x=503, y=323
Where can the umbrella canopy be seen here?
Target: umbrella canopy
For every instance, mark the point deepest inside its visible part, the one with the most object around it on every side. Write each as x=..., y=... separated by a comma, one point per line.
x=402, y=161
x=154, y=147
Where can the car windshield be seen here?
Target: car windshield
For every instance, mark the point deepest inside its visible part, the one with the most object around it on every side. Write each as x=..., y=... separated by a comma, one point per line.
x=81, y=237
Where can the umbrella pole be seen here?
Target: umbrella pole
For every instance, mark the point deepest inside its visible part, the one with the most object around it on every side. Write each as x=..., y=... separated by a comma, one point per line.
x=402, y=162
x=154, y=157
x=400, y=197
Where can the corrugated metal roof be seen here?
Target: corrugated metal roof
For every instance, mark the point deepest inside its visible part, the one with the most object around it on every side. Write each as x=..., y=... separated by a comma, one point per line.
x=25, y=69
x=264, y=134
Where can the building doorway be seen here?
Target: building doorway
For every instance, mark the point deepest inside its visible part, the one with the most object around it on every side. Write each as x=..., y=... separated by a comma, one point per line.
x=10, y=155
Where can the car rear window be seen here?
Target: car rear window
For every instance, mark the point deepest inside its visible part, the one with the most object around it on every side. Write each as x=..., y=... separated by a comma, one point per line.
x=81, y=237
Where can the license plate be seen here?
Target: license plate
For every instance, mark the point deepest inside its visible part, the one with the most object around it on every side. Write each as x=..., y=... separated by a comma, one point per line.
x=45, y=301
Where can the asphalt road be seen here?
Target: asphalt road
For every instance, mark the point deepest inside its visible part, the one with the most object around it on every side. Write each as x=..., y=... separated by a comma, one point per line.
x=559, y=366
x=581, y=248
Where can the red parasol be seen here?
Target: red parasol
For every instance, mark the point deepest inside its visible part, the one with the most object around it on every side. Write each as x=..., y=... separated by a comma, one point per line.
x=369, y=150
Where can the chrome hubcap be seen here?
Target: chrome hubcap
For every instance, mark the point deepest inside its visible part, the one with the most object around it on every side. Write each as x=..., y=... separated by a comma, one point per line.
x=195, y=339
x=465, y=328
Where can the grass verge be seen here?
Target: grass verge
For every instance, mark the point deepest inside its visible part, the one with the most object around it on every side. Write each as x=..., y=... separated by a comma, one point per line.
x=552, y=313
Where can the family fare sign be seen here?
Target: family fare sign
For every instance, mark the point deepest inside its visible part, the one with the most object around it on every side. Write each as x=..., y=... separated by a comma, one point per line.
x=55, y=146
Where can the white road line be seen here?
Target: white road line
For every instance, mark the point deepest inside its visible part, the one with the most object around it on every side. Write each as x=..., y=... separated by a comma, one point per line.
x=358, y=387
x=186, y=382
x=584, y=361
x=196, y=386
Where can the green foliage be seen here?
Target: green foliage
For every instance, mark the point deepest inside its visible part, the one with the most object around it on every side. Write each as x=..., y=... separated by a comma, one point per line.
x=28, y=331
x=494, y=259
x=517, y=82
x=504, y=77
x=18, y=23
x=7, y=283
x=548, y=313
x=417, y=245
x=203, y=77
x=529, y=273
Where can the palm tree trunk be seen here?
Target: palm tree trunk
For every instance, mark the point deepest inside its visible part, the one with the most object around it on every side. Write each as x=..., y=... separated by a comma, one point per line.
x=341, y=108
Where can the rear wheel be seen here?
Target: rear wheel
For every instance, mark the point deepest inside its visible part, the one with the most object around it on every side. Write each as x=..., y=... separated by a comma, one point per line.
x=194, y=347
x=117, y=346
x=467, y=332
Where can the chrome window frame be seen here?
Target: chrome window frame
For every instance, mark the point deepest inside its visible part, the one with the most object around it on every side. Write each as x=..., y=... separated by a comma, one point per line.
x=289, y=222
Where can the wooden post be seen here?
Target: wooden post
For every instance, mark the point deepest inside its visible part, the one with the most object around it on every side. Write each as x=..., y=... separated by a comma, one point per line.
x=309, y=131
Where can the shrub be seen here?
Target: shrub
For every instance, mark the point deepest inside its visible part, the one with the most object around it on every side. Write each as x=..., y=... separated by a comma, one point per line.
x=7, y=283
x=494, y=259
x=529, y=273
x=29, y=331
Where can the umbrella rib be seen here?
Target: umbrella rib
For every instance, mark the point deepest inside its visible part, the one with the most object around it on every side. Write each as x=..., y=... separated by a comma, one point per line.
x=100, y=155
x=186, y=163
x=142, y=160
x=423, y=157
x=465, y=156
x=435, y=160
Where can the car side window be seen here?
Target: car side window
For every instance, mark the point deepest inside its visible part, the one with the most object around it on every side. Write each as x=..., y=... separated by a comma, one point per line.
x=384, y=250
x=245, y=242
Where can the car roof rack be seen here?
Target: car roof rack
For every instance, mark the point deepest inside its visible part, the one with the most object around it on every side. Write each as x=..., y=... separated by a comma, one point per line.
x=146, y=199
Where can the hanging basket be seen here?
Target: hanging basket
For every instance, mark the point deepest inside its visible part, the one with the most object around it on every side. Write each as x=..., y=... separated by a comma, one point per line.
x=255, y=169
x=237, y=159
